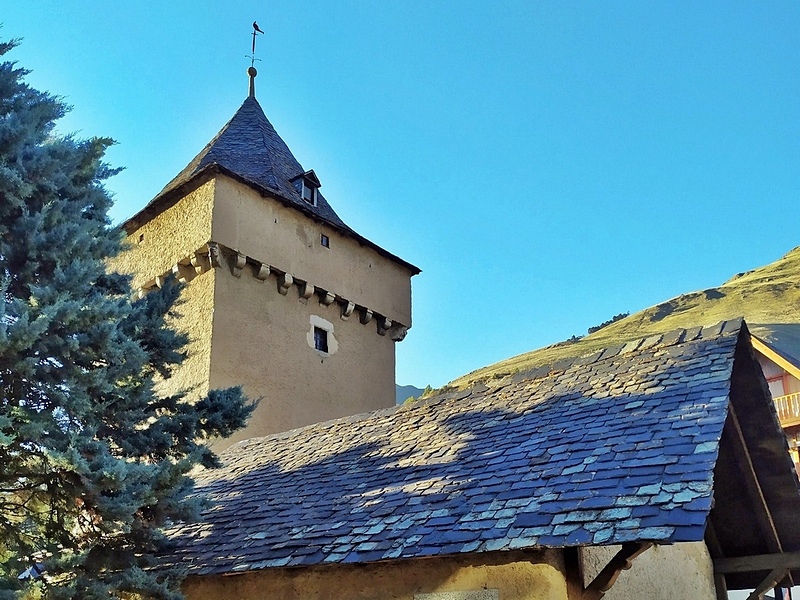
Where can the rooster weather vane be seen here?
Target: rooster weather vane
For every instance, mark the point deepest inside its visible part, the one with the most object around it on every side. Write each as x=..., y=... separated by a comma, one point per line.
x=252, y=56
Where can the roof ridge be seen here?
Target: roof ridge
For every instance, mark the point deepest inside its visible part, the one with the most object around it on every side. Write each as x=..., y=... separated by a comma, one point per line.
x=653, y=341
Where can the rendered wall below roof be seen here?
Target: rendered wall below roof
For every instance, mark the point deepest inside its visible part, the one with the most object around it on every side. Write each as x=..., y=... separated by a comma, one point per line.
x=268, y=231
x=662, y=573
x=535, y=576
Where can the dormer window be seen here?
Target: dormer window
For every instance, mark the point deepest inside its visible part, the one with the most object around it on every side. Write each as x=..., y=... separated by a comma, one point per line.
x=307, y=185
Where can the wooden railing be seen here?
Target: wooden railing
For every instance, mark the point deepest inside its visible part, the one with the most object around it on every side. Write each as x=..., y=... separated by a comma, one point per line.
x=788, y=408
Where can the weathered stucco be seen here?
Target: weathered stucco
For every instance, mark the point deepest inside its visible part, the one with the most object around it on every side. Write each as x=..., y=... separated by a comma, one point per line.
x=662, y=573
x=194, y=315
x=260, y=340
x=268, y=231
x=516, y=576
x=172, y=236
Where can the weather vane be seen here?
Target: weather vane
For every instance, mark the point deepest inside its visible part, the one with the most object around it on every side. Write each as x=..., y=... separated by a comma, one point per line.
x=252, y=57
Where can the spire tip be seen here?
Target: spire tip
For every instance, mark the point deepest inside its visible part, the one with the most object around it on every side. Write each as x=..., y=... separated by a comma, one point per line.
x=251, y=71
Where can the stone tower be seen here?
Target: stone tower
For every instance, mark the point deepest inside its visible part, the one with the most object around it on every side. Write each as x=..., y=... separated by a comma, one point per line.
x=281, y=295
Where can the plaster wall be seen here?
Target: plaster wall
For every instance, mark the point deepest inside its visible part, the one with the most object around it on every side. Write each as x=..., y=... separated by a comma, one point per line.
x=263, y=340
x=194, y=316
x=681, y=570
x=268, y=231
x=516, y=576
x=173, y=235
x=153, y=249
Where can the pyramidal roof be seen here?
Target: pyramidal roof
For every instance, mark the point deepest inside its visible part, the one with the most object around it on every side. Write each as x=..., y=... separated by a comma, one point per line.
x=249, y=150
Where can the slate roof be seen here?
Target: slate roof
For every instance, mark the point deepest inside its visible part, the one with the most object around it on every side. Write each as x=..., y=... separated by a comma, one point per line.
x=249, y=146
x=614, y=447
x=249, y=149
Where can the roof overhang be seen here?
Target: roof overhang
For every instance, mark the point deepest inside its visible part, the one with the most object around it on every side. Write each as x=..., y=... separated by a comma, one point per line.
x=775, y=356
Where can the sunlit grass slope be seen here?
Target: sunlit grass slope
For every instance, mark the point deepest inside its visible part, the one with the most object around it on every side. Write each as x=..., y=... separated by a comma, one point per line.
x=768, y=298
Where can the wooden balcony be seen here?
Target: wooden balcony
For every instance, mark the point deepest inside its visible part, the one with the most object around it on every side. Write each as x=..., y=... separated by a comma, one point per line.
x=788, y=408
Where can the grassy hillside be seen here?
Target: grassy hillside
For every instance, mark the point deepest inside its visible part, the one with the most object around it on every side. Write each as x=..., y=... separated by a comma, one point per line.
x=767, y=297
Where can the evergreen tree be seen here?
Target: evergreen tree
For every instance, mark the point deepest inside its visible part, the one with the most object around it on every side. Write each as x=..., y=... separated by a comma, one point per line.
x=93, y=461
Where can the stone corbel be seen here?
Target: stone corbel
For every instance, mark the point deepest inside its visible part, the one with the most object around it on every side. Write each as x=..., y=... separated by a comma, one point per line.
x=384, y=325
x=366, y=316
x=326, y=298
x=306, y=290
x=398, y=332
x=347, y=310
x=159, y=281
x=263, y=272
x=238, y=265
x=199, y=262
x=285, y=281
x=214, y=254
x=182, y=272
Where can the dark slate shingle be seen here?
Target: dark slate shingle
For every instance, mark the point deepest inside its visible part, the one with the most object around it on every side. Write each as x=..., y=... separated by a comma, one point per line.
x=617, y=449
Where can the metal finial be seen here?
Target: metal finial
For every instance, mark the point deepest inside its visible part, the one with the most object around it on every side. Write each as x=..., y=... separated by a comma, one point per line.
x=252, y=70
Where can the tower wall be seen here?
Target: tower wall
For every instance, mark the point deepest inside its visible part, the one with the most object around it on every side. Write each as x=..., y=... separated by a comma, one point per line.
x=258, y=283
x=174, y=234
x=194, y=316
x=263, y=340
x=173, y=237
x=266, y=230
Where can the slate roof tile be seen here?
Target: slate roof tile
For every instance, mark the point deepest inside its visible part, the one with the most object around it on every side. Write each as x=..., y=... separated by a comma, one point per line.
x=562, y=457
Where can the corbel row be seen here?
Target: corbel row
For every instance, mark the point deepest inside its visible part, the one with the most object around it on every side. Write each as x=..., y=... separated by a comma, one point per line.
x=213, y=255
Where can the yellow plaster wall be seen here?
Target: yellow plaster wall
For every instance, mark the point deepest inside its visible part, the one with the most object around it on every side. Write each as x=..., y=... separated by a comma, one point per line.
x=669, y=572
x=517, y=576
x=260, y=342
x=170, y=237
x=270, y=232
x=194, y=316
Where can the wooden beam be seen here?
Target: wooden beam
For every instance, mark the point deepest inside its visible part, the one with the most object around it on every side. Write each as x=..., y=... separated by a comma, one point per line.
x=574, y=573
x=754, y=492
x=770, y=582
x=621, y=561
x=789, y=561
x=712, y=540
x=715, y=550
x=720, y=586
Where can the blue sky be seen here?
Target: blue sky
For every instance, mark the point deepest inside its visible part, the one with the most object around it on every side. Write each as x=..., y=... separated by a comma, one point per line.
x=547, y=165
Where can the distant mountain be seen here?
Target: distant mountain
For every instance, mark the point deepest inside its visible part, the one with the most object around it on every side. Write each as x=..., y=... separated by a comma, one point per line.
x=404, y=392
x=768, y=298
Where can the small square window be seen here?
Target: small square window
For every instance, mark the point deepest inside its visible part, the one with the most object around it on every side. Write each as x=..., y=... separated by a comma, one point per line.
x=320, y=339
x=324, y=240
